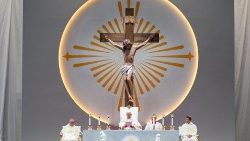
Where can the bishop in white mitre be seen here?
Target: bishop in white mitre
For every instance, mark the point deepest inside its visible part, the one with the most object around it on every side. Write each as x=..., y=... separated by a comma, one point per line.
x=71, y=132
x=129, y=123
x=153, y=124
x=188, y=131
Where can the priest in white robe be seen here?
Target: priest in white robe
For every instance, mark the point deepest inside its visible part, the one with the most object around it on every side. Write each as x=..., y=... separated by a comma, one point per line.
x=153, y=124
x=188, y=131
x=71, y=132
x=129, y=123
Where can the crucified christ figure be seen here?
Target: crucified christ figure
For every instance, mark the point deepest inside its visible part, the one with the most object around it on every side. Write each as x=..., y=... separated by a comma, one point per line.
x=128, y=70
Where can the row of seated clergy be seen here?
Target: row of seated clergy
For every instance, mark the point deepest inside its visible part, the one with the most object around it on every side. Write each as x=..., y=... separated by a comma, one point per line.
x=71, y=132
x=129, y=121
x=188, y=131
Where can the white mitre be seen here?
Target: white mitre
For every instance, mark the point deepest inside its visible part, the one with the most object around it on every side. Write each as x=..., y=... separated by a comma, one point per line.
x=71, y=133
x=151, y=126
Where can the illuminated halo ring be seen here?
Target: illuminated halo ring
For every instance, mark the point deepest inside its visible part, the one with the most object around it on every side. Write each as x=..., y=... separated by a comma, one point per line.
x=165, y=71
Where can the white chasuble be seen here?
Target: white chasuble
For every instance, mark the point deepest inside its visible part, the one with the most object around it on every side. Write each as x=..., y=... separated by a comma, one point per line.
x=188, y=132
x=71, y=133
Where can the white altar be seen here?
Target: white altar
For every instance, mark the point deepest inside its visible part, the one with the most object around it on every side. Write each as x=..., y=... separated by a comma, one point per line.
x=121, y=135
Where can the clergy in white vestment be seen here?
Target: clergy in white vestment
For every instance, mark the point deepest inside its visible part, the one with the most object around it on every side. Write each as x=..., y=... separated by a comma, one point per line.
x=71, y=132
x=129, y=123
x=188, y=131
x=153, y=124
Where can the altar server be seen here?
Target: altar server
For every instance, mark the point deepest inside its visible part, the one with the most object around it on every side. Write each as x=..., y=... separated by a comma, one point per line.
x=153, y=124
x=129, y=123
x=71, y=132
x=188, y=131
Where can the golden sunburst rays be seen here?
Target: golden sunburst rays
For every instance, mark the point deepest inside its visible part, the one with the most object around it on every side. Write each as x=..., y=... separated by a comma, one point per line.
x=189, y=56
x=105, y=61
x=120, y=9
x=137, y=8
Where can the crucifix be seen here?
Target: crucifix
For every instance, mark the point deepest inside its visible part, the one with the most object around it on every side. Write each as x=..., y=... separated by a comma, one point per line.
x=127, y=39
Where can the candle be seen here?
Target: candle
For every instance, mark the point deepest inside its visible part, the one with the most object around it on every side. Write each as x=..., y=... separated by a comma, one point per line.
x=172, y=119
x=89, y=119
x=99, y=120
x=163, y=121
x=154, y=119
x=108, y=120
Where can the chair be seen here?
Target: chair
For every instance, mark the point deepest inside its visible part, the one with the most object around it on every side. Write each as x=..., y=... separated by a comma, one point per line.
x=125, y=110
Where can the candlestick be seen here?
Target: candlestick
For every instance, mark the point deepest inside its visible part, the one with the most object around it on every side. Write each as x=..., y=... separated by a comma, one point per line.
x=163, y=121
x=172, y=122
x=99, y=122
x=154, y=119
x=108, y=120
x=108, y=123
x=89, y=127
x=99, y=119
x=172, y=119
x=89, y=119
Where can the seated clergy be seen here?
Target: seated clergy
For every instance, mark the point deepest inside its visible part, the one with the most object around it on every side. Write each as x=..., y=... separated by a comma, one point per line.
x=153, y=124
x=188, y=131
x=129, y=123
x=71, y=132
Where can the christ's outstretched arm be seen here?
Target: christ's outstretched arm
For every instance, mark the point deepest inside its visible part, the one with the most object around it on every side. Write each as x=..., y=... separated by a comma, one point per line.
x=144, y=43
x=114, y=44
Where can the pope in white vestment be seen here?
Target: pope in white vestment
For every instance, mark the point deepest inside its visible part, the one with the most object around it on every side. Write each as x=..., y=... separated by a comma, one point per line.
x=129, y=123
x=71, y=132
x=188, y=131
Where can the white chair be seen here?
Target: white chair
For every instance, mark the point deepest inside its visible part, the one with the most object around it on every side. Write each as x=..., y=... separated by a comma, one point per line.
x=132, y=110
x=123, y=114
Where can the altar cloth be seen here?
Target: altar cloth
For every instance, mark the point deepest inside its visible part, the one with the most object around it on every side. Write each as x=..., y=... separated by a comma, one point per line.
x=121, y=135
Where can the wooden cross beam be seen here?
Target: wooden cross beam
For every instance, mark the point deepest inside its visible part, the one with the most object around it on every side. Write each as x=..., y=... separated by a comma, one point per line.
x=129, y=21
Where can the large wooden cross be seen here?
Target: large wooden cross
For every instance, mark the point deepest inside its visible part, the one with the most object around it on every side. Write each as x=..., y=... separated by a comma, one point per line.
x=129, y=20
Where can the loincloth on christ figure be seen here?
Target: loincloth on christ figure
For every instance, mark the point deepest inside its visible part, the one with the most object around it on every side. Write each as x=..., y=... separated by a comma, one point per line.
x=127, y=69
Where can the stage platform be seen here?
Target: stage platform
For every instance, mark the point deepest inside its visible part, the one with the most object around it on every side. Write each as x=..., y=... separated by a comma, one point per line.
x=121, y=135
